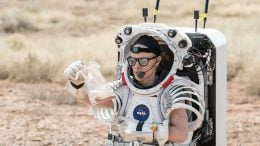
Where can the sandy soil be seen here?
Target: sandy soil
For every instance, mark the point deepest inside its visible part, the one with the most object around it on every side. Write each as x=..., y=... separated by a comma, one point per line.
x=32, y=122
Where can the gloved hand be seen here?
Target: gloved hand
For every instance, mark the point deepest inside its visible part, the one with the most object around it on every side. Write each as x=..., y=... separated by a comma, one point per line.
x=74, y=72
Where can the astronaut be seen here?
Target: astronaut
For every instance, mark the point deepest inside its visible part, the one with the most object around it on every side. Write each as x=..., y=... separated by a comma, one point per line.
x=144, y=60
x=139, y=120
x=170, y=87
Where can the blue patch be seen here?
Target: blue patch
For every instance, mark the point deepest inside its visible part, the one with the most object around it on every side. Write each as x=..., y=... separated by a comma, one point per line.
x=141, y=112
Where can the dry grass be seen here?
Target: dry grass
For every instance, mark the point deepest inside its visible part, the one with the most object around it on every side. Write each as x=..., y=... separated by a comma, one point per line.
x=254, y=81
x=51, y=93
x=45, y=59
x=16, y=20
x=40, y=38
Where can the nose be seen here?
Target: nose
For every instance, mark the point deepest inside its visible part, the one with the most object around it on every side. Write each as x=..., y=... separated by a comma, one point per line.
x=137, y=66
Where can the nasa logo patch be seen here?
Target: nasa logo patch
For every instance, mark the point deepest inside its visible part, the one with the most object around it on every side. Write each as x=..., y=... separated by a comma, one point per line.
x=141, y=112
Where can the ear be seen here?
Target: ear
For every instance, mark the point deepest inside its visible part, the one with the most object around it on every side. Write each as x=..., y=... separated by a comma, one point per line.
x=158, y=60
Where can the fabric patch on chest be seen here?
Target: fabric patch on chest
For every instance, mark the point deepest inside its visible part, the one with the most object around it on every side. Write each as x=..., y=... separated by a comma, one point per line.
x=141, y=112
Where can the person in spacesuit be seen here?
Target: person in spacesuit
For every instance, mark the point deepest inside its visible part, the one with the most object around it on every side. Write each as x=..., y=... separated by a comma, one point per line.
x=143, y=60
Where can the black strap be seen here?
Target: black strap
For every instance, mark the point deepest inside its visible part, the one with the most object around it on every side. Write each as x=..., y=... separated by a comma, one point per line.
x=139, y=126
x=77, y=86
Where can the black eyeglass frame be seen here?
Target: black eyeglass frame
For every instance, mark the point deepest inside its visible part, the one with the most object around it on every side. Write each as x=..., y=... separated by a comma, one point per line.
x=139, y=60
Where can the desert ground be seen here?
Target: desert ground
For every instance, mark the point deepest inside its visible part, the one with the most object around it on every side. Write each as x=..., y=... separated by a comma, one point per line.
x=40, y=38
x=30, y=121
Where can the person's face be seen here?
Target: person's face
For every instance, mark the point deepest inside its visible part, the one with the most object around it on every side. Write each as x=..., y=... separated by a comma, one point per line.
x=144, y=62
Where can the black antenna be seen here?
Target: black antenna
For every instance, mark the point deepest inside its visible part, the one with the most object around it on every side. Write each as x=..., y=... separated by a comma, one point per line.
x=205, y=13
x=145, y=14
x=196, y=17
x=156, y=10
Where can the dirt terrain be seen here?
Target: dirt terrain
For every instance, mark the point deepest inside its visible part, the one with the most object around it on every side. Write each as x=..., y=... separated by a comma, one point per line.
x=28, y=121
x=32, y=122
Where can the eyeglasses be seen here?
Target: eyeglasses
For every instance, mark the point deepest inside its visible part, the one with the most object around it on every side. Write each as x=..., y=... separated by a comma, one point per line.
x=142, y=61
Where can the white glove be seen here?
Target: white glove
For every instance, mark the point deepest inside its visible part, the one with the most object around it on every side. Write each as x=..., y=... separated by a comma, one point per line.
x=74, y=72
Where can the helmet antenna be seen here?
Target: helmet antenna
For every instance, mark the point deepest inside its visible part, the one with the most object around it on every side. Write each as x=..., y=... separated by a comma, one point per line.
x=156, y=10
x=196, y=17
x=205, y=13
x=145, y=14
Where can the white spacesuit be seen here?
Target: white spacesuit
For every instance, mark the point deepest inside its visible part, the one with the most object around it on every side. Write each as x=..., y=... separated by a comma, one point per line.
x=140, y=116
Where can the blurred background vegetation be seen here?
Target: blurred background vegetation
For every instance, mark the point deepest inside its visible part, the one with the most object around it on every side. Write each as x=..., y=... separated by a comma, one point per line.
x=39, y=38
